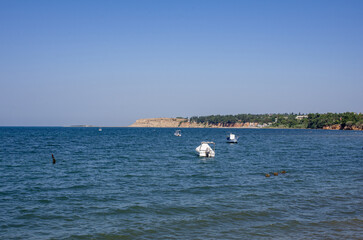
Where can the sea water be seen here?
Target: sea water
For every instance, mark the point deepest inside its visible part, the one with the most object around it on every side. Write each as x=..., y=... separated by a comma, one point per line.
x=146, y=183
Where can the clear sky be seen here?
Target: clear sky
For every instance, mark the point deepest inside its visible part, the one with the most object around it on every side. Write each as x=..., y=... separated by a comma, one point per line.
x=109, y=62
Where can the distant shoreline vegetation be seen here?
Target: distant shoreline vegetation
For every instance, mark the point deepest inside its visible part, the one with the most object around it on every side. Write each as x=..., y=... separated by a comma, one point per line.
x=336, y=121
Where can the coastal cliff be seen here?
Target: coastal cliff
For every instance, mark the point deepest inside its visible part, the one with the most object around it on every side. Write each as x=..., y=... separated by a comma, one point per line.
x=340, y=127
x=165, y=123
x=329, y=121
x=184, y=123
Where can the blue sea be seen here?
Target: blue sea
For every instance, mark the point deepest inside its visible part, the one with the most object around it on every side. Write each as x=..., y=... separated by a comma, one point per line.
x=145, y=183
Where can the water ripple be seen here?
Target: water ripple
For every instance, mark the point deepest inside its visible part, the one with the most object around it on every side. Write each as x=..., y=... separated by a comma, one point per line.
x=131, y=183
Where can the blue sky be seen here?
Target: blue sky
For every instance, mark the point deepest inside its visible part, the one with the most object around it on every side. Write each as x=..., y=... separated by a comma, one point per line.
x=109, y=62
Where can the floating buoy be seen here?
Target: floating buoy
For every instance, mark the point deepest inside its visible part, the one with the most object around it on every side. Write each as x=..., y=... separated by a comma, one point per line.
x=267, y=175
x=283, y=171
x=53, y=158
x=276, y=173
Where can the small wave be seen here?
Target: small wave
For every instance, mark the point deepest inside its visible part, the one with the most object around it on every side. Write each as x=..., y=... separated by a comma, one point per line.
x=119, y=211
x=348, y=222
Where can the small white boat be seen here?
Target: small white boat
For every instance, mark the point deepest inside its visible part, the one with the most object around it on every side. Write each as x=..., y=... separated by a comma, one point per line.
x=232, y=138
x=204, y=150
x=177, y=133
x=100, y=129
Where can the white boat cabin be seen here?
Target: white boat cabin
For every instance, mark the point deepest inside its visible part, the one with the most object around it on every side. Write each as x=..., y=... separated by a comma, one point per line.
x=232, y=138
x=204, y=150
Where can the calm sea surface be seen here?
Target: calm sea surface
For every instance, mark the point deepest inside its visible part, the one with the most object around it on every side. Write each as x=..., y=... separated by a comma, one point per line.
x=145, y=183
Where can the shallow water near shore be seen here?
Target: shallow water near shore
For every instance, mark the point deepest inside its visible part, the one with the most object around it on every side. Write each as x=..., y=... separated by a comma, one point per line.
x=145, y=183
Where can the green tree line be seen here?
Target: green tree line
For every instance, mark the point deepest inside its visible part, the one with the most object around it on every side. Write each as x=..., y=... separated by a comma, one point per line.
x=288, y=120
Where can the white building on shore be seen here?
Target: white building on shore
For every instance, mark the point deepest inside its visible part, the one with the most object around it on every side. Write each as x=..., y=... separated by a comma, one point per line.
x=301, y=117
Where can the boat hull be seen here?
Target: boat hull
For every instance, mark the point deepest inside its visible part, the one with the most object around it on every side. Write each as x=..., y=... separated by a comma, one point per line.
x=204, y=150
x=232, y=138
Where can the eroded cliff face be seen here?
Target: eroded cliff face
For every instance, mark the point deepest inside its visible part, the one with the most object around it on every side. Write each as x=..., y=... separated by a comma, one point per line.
x=164, y=122
x=183, y=123
x=340, y=127
x=333, y=127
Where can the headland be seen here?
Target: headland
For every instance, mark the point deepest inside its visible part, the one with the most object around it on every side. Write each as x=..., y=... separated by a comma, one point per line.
x=329, y=121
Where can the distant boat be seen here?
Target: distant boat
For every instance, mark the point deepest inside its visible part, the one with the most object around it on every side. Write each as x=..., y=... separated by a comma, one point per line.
x=100, y=129
x=177, y=133
x=204, y=150
x=232, y=138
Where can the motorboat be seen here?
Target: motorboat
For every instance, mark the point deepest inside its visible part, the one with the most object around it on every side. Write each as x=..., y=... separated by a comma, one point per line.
x=232, y=138
x=204, y=150
x=177, y=133
x=100, y=129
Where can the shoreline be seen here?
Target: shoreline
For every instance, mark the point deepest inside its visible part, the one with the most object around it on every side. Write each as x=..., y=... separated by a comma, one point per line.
x=186, y=123
x=277, y=128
